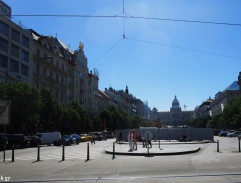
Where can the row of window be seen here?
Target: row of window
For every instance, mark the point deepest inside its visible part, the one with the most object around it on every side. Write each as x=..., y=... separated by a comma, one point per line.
x=15, y=35
x=51, y=75
x=50, y=59
x=14, y=65
x=14, y=50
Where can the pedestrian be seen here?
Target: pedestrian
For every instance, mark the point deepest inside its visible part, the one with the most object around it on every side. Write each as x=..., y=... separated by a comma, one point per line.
x=93, y=138
x=120, y=138
x=135, y=138
x=130, y=138
x=144, y=139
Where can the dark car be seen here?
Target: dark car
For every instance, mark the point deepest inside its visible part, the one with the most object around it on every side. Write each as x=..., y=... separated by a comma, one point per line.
x=65, y=140
x=77, y=137
x=34, y=141
x=223, y=134
x=99, y=136
x=18, y=140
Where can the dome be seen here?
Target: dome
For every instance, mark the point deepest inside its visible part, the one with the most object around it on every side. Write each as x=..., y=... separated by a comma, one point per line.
x=175, y=101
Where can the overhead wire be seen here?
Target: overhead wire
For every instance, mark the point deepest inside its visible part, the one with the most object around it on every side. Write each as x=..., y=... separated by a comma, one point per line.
x=100, y=57
x=125, y=15
x=183, y=48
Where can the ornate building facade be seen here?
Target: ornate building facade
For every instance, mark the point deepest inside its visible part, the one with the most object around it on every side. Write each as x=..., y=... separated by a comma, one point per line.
x=175, y=116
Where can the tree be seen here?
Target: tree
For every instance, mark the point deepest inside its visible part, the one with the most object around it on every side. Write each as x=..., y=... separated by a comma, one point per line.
x=76, y=119
x=232, y=114
x=25, y=105
x=51, y=112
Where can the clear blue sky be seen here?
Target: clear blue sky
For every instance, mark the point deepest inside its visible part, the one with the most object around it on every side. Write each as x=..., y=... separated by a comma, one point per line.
x=152, y=72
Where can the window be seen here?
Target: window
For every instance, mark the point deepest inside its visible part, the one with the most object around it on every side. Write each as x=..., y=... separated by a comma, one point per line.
x=37, y=52
x=14, y=50
x=4, y=28
x=14, y=66
x=15, y=35
x=57, y=78
x=62, y=80
x=24, y=70
x=24, y=56
x=57, y=63
x=50, y=74
x=62, y=96
x=3, y=61
x=63, y=67
x=25, y=41
x=51, y=60
x=3, y=45
x=37, y=70
x=81, y=76
x=44, y=72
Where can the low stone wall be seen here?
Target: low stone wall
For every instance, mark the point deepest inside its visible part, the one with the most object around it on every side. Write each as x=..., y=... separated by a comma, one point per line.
x=198, y=134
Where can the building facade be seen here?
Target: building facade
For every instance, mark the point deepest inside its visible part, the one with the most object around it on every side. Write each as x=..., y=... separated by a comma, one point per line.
x=175, y=116
x=224, y=98
x=49, y=66
x=16, y=59
x=203, y=109
x=127, y=102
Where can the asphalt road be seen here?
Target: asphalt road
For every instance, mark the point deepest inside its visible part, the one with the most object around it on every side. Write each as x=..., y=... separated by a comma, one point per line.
x=207, y=165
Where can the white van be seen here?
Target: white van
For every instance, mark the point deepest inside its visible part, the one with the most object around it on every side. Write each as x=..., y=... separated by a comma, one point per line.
x=49, y=138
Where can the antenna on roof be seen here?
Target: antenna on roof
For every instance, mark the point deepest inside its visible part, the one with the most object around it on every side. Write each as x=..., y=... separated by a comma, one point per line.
x=185, y=107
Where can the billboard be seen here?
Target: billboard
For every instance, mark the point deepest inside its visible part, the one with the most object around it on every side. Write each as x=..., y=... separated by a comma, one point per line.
x=4, y=112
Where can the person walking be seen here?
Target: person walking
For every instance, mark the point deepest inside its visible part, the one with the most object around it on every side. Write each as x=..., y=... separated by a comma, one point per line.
x=130, y=138
x=93, y=138
x=135, y=137
x=144, y=139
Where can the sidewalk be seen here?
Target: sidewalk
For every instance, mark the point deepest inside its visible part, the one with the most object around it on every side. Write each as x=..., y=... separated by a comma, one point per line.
x=166, y=148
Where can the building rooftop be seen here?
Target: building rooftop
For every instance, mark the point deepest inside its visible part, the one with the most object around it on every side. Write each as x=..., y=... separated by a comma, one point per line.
x=64, y=45
x=232, y=87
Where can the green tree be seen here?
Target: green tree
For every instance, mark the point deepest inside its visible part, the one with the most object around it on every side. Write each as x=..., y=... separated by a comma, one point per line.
x=25, y=105
x=51, y=112
x=232, y=114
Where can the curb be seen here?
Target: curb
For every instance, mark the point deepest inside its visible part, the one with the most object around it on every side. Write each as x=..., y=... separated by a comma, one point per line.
x=153, y=154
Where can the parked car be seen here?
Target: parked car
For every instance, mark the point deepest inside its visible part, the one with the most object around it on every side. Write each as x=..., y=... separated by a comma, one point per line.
x=223, y=134
x=34, y=141
x=233, y=134
x=18, y=140
x=77, y=138
x=49, y=138
x=85, y=137
x=65, y=140
x=98, y=136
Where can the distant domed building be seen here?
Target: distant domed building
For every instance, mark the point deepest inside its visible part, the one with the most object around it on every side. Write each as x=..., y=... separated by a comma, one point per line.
x=175, y=116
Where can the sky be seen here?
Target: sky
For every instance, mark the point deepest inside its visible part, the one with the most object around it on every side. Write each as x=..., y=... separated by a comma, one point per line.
x=157, y=59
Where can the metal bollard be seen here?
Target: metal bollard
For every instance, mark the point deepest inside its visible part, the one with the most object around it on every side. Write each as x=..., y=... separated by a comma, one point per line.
x=88, y=151
x=4, y=153
x=63, y=153
x=239, y=144
x=217, y=145
x=148, y=149
x=113, y=150
x=13, y=153
x=38, y=157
